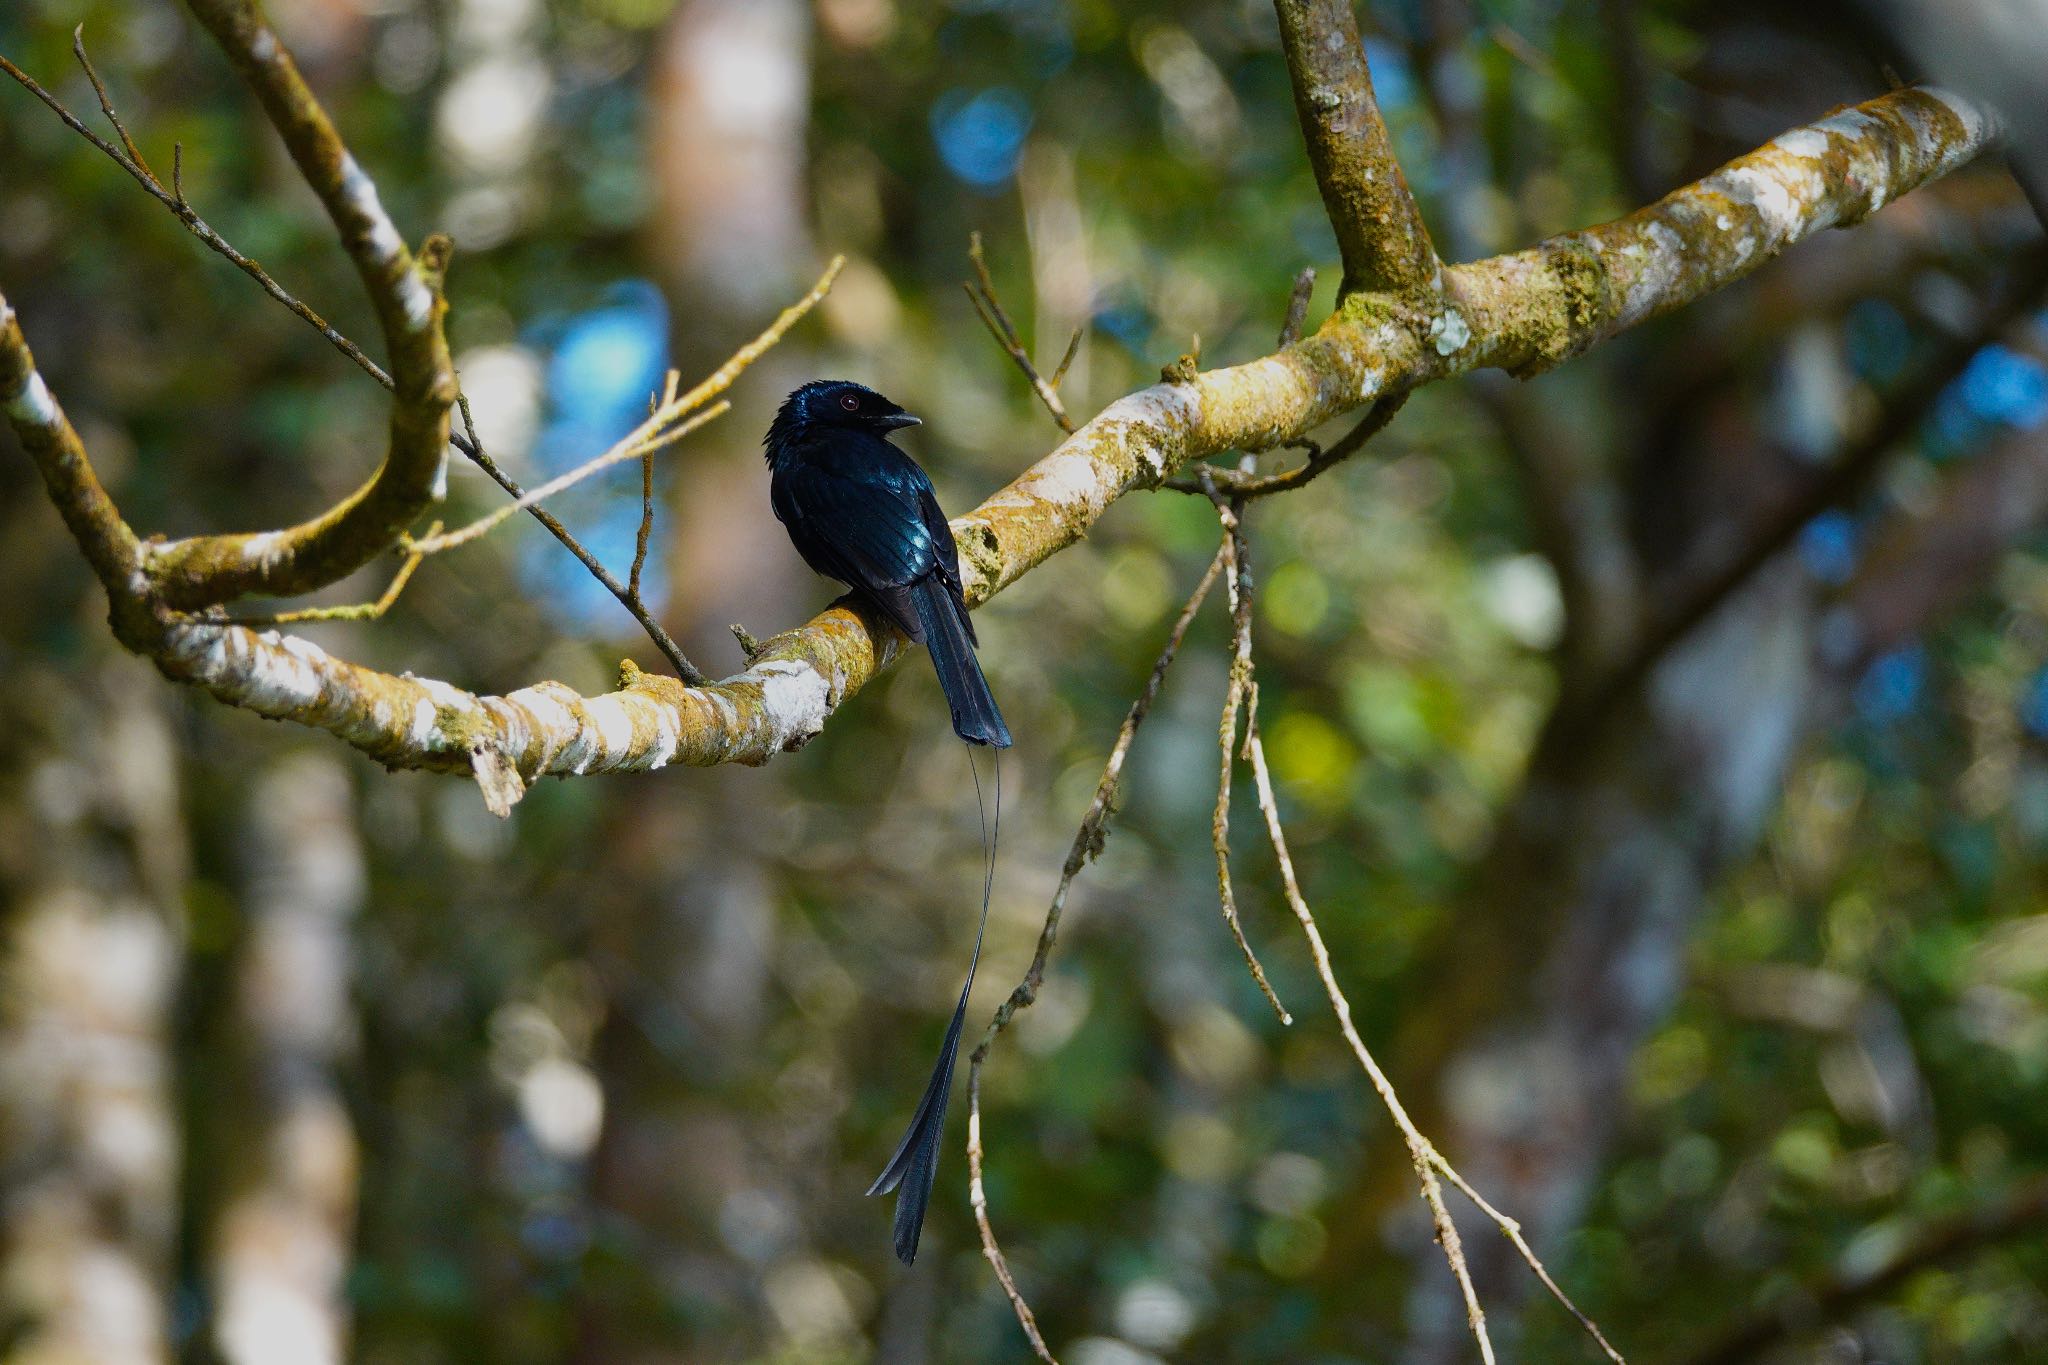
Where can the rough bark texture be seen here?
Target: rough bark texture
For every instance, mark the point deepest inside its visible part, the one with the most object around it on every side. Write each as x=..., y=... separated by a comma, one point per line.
x=1522, y=312
x=1379, y=230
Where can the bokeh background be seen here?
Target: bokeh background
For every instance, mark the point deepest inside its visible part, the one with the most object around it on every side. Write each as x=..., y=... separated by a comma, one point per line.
x=1732, y=984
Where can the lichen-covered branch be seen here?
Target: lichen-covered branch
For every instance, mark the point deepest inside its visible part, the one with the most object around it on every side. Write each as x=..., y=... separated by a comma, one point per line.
x=1380, y=232
x=1521, y=312
x=406, y=293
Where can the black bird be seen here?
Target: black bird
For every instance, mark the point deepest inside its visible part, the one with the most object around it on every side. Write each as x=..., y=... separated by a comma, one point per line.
x=861, y=511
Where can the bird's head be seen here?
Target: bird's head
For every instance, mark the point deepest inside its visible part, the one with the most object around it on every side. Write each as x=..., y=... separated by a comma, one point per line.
x=835, y=403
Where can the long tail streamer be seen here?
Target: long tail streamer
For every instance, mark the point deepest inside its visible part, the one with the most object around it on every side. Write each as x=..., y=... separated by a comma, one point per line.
x=916, y=1163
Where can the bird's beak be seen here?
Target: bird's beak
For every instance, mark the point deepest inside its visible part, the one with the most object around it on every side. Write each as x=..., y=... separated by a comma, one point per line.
x=898, y=419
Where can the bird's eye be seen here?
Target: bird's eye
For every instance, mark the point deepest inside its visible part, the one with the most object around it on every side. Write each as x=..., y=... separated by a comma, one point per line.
x=851, y=402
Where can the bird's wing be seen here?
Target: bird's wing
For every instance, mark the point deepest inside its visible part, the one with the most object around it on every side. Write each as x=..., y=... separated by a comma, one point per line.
x=867, y=532
x=944, y=551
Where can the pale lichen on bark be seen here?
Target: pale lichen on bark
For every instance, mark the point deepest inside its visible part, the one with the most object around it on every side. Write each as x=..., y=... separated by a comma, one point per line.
x=1521, y=312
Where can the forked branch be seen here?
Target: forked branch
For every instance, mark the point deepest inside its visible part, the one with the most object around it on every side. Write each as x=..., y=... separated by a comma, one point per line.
x=1379, y=230
x=1521, y=312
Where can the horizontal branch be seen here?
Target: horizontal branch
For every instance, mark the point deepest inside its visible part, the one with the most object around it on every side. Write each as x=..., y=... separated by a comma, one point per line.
x=1522, y=312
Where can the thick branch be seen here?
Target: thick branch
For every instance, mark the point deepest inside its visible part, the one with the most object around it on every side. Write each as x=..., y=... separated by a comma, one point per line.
x=1379, y=230
x=1520, y=312
x=406, y=294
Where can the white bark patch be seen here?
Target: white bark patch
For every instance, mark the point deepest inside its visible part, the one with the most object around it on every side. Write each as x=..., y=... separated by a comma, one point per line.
x=1768, y=195
x=1166, y=409
x=1807, y=142
x=359, y=192
x=1450, y=331
x=1660, y=254
x=794, y=698
x=1065, y=477
x=269, y=674
x=497, y=778
x=607, y=716
x=426, y=720
x=447, y=694
x=553, y=721
x=263, y=46
x=1979, y=124
x=33, y=405
x=418, y=302
x=263, y=548
x=1852, y=122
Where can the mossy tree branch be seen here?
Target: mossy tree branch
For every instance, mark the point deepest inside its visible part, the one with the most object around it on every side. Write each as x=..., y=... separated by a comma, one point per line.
x=406, y=293
x=1521, y=312
x=1380, y=232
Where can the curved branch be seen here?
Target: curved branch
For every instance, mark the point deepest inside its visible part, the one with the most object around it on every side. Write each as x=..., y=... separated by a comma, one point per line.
x=1380, y=232
x=406, y=293
x=1521, y=312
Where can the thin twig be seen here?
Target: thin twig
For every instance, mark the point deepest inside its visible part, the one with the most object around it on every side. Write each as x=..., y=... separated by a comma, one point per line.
x=1297, y=306
x=1513, y=1231
x=977, y=1196
x=640, y=442
x=362, y=611
x=174, y=200
x=466, y=441
x=646, y=522
x=982, y=292
x=1237, y=575
x=1059, y=374
x=107, y=105
x=1420, y=1152
x=685, y=670
x=1088, y=842
x=1249, y=487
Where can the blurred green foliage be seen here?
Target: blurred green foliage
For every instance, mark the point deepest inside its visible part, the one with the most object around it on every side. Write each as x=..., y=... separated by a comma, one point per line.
x=754, y=964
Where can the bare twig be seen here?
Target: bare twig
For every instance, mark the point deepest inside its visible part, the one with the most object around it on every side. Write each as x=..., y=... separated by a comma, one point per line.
x=981, y=291
x=977, y=1196
x=1088, y=842
x=1237, y=575
x=671, y=651
x=1297, y=306
x=1512, y=1230
x=106, y=105
x=646, y=522
x=1067, y=357
x=1247, y=487
x=361, y=611
x=642, y=442
x=1420, y=1152
x=174, y=200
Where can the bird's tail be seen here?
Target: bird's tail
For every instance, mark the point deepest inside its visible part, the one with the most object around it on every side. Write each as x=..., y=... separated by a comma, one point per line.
x=915, y=1164
x=951, y=642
